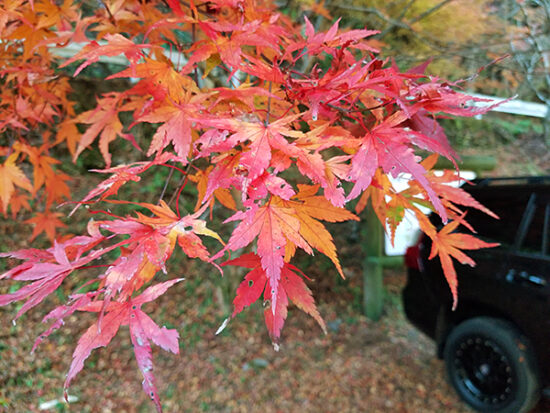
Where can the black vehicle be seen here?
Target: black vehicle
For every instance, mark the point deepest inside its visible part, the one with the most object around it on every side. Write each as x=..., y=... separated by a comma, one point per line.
x=496, y=344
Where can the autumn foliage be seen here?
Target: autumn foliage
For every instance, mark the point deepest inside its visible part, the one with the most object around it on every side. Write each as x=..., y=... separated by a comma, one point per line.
x=221, y=85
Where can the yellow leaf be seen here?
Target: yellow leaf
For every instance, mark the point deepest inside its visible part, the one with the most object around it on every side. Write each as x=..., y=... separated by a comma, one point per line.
x=212, y=62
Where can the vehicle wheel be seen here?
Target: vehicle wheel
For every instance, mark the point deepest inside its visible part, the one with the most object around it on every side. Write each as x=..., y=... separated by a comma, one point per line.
x=492, y=366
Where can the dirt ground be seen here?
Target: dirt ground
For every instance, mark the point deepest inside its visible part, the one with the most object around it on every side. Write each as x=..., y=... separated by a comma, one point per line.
x=360, y=366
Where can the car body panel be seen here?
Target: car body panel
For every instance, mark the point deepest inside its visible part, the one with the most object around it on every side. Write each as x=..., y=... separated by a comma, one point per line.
x=511, y=281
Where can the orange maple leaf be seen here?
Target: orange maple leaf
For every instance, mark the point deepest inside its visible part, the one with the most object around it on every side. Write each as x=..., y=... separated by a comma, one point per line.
x=11, y=175
x=44, y=175
x=162, y=76
x=67, y=131
x=309, y=208
x=30, y=35
x=56, y=188
x=47, y=222
x=42, y=164
x=223, y=195
x=104, y=123
x=447, y=244
x=17, y=202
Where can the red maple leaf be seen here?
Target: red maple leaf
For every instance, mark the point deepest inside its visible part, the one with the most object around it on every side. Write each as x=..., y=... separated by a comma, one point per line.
x=176, y=128
x=273, y=225
x=104, y=122
x=447, y=244
x=387, y=146
x=116, y=45
x=315, y=43
x=143, y=330
x=275, y=310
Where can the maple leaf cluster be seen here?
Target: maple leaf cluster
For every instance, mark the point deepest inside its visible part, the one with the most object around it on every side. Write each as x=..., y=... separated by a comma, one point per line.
x=280, y=123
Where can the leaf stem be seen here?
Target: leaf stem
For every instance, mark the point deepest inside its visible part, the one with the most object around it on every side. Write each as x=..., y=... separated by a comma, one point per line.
x=178, y=197
x=176, y=168
x=268, y=104
x=86, y=267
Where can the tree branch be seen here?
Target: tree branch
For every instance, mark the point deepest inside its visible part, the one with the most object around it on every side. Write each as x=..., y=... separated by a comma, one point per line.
x=429, y=11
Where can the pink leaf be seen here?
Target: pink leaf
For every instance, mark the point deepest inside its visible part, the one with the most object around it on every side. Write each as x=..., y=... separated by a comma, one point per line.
x=144, y=358
x=275, y=312
x=155, y=291
x=92, y=339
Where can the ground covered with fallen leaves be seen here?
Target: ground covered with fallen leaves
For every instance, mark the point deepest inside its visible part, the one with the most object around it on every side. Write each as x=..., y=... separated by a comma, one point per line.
x=360, y=366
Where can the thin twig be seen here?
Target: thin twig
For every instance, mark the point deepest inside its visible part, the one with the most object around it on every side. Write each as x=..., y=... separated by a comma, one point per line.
x=376, y=12
x=111, y=17
x=193, y=37
x=180, y=183
x=186, y=4
x=165, y=185
x=178, y=197
x=429, y=11
x=175, y=193
x=405, y=9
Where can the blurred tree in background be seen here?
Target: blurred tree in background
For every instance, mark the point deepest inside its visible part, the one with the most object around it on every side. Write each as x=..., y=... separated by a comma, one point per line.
x=529, y=23
x=453, y=35
x=458, y=37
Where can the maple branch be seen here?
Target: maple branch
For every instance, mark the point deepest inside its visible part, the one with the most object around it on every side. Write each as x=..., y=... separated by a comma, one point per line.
x=93, y=280
x=174, y=194
x=193, y=37
x=11, y=138
x=377, y=13
x=87, y=267
x=166, y=182
x=399, y=19
x=429, y=11
x=185, y=172
x=101, y=211
x=266, y=59
x=181, y=184
x=405, y=9
x=356, y=110
x=186, y=4
x=111, y=17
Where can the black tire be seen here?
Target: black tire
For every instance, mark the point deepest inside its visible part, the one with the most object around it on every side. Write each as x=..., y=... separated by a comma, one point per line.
x=492, y=366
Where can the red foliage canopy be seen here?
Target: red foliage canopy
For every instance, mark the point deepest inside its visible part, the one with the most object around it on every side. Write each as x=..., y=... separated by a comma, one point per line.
x=295, y=121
